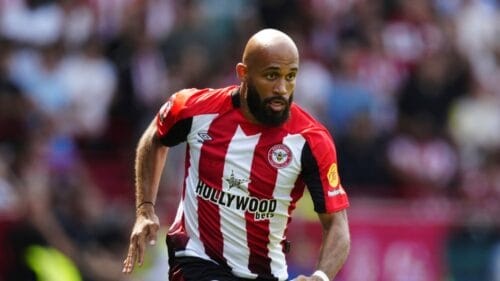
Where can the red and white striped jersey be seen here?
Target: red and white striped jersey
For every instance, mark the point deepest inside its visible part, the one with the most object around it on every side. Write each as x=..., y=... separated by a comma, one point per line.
x=242, y=180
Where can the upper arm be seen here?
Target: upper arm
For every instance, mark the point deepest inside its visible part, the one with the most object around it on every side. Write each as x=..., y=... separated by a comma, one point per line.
x=320, y=173
x=336, y=220
x=150, y=137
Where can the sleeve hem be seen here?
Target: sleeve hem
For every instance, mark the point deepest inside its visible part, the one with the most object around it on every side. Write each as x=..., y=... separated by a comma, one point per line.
x=339, y=208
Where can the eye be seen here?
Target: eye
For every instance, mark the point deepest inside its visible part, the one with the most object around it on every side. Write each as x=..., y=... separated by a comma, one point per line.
x=291, y=76
x=271, y=76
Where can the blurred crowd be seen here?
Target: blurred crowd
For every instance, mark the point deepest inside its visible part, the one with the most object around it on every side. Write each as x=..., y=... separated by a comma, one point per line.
x=410, y=90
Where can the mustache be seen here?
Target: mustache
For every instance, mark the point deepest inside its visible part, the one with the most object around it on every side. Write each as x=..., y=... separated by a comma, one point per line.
x=277, y=98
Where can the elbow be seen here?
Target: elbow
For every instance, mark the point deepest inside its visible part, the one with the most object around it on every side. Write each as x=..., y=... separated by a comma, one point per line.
x=346, y=244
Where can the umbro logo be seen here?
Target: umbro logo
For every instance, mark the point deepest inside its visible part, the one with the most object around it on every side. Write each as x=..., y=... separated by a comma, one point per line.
x=204, y=136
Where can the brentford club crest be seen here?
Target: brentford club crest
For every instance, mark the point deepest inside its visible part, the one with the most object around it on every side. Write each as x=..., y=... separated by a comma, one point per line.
x=279, y=156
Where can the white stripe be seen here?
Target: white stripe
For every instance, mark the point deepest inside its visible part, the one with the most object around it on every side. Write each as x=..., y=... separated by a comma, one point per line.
x=238, y=163
x=285, y=182
x=194, y=246
x=178, y=215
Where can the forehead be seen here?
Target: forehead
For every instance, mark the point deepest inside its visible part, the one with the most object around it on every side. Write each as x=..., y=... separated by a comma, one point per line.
x=276, y=56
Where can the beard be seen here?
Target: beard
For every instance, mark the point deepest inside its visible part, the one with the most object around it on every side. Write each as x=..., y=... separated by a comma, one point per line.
x=261, y=110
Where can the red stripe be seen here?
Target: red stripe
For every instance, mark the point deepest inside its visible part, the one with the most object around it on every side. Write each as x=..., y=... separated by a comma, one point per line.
x=263, y=178
x=211, y=167
x=187, y=164
x=177, y=232
x=297, y=192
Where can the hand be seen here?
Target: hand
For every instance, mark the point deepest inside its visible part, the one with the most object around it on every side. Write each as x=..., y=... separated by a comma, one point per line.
x=145, y=230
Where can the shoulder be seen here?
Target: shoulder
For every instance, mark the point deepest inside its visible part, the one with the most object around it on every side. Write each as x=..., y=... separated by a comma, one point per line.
x=201, y=101
x=177, y=113
x=303, y=123
x=193, y=96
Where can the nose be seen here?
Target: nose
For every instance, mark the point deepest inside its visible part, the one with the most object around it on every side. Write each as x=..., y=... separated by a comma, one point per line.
x=280, y=87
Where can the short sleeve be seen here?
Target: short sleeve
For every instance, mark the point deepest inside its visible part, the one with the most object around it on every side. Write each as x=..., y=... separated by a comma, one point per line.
x=172, y=127
x=320, y=173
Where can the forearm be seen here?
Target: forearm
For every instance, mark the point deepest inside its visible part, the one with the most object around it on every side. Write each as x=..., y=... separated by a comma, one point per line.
x=335, y=245
x=149, y=163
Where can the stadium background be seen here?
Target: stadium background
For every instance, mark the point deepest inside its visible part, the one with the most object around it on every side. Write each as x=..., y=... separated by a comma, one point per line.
x=409, y=89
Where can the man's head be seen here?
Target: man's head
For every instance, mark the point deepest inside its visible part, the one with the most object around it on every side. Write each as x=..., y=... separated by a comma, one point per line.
x=267, y=74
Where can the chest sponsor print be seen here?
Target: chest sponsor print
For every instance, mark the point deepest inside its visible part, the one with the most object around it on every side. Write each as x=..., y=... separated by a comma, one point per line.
x=261, y=208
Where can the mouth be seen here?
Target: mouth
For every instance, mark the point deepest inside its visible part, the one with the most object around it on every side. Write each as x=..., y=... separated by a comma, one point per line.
x=277, y=104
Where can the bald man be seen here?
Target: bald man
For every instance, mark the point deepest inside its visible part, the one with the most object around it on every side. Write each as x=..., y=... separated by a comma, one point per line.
x=251, y=152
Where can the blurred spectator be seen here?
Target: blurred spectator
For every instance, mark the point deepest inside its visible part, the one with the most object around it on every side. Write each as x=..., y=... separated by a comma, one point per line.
x=473, y=123
x=61, y=208
x=477, y=29
x=78, y=23
x=8, y=195
x=38, y=74
x=160, y=17
x=313, y=84
x=421, y=160
x=480, y=189
x=438, y=80
x=90, y=83
x=411, y=32
x=34, y=22
x=378, y=72
x=362, y=152
x=149, y=77
x=348, y=97
x=110, y=16
x=15, y=109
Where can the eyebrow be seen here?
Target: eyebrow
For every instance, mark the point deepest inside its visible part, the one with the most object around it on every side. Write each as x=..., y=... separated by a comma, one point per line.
x=277, y=68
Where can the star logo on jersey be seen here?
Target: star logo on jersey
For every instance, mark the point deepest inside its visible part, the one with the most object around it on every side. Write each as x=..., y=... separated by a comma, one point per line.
x=232, y=181
x=279, y=156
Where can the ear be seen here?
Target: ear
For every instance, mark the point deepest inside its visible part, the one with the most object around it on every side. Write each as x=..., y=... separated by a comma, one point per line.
x=241, y=72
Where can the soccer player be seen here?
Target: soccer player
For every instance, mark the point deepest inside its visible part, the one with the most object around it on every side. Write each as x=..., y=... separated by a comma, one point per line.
x=250, y=153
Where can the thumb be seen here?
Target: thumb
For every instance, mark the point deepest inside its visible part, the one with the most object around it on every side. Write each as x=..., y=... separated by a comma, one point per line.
x=152, y=234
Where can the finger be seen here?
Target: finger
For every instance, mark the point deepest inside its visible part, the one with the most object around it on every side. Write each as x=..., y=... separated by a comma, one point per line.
x=131, y=257
x=141, y=245
x=127, y=266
